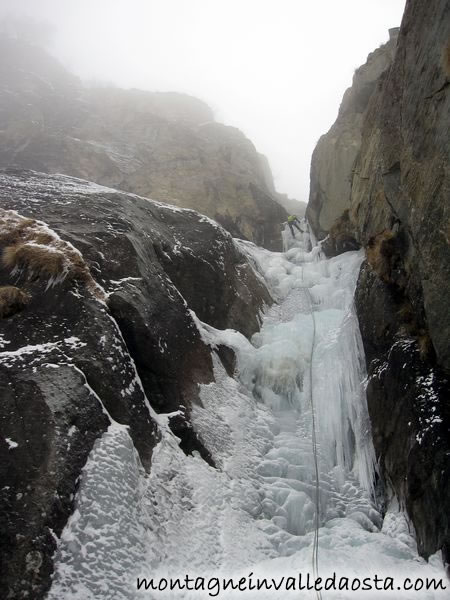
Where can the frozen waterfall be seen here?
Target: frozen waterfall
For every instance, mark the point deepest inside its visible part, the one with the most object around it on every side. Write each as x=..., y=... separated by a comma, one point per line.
x=290, y=436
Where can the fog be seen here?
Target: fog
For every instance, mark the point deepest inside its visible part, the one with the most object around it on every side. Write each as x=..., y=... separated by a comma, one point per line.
x=276, y=69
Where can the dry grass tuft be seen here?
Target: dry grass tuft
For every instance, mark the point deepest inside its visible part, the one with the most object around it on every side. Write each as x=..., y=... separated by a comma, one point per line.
x=12, y=300
x=343, y=227
x=37, y=259
x=425, y=344
x=336, y=228
x=406, y=313
x=380, y=250
x=409, y=326
x=14, y=229
x=40, y=238
x=31, y=248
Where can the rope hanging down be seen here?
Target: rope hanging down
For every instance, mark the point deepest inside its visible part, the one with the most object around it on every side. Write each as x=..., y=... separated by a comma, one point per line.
x=315, y=554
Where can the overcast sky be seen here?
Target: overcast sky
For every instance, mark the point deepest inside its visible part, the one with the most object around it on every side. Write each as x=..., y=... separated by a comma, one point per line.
x=277, y=69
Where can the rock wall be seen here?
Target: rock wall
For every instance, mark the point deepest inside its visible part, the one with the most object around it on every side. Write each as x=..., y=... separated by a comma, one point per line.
x=334, y=156
x=97, y=289
x=160, y=145
x=291, y=205
x=396, y=206
x=401, y=181
x=407, y=396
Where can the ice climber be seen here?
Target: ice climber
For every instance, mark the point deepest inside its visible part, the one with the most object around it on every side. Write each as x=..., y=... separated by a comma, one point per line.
x=292, y=222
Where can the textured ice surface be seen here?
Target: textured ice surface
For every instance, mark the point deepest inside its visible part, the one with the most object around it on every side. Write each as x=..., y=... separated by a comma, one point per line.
x=256, y=512
x=105, y=537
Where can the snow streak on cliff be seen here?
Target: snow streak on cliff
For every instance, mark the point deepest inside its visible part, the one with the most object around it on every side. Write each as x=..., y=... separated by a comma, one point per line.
x=292, y=491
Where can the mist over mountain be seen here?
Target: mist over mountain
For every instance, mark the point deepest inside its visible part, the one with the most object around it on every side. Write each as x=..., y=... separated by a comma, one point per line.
x=276, y=73
x=166, y=146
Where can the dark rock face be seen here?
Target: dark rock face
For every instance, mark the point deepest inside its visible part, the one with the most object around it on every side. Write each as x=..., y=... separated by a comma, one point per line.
x=407, y=397
x=401, y=180
x=160, y=145
x=77, y=356
x=397, y=208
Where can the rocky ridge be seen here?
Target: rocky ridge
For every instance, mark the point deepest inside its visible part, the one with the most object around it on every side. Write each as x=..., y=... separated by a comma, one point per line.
x=166, y=146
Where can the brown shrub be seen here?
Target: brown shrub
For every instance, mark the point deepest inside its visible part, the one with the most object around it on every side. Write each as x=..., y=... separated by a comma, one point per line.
x=425, y=344
x=12, y=300
x=380, y=250
x=406, y=313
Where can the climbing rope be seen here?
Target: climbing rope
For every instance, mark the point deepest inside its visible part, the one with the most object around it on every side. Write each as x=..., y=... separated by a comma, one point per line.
x=315, y=553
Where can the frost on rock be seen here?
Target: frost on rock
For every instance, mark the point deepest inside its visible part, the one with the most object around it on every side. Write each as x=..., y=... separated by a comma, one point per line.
x=301, y=375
